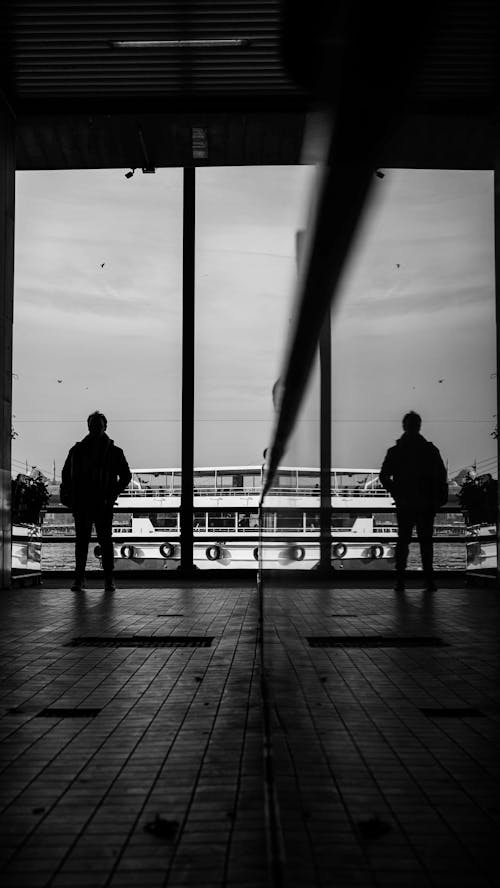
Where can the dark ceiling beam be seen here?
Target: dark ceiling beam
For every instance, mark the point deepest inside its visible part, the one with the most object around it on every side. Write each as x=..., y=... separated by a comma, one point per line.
x=79, y=141
x=160, y=105
x=112, y=141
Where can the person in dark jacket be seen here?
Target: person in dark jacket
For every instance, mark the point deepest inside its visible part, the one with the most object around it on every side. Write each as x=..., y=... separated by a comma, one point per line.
x=414, y=474
x=94, y=474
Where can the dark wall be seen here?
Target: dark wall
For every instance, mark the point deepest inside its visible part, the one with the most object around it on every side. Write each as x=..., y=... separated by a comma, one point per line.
x=7, y=197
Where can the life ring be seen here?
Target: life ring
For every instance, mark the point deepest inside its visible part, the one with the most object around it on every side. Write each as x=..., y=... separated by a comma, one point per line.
x=97, y=551
x=256, y=553
x=339, y=550
x=213, y=553
x=377, y=551
x=127, y=551
x=167, y=550
x=297, y=553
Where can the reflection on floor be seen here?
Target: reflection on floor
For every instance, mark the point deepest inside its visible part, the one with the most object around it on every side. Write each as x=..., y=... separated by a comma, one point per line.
x=142, y=765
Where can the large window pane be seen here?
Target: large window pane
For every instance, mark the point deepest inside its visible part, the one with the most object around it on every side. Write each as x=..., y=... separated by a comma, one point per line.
x=98, y=323
x=246, y=225
x=415, y=330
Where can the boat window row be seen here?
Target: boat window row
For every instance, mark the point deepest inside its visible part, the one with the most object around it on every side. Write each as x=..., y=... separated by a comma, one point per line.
x=238, y=521
x=210, y=482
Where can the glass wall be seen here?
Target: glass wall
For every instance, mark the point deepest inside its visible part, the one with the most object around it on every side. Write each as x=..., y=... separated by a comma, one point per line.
x=97, y=326
x=415, y=330
x=246, y=226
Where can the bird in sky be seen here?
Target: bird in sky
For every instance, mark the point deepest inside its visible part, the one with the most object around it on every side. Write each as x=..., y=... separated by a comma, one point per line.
x=59, y=380
x=398, y=265
x=440, y=380
x=103, y=264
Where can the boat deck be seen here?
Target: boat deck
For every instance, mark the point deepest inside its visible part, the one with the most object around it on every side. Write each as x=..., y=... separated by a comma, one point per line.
x=143, y=765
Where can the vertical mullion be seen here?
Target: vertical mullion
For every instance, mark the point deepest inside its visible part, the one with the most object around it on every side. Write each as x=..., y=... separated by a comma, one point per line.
x=496, y=222
x=187, y=447
x=325, y=361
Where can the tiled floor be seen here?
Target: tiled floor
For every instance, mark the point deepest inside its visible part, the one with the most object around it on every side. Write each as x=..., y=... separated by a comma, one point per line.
x=368, y=789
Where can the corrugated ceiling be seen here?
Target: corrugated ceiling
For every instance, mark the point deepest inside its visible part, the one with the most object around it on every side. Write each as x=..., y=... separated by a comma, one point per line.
x=61, y=49
x=81, y=102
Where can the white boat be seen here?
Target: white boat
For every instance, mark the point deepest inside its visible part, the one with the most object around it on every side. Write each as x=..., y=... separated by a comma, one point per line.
x=26, y=549
x=482, y=547
x=226, y=520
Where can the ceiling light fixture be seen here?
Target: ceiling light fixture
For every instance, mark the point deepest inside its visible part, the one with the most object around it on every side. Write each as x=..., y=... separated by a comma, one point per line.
x=181, y=44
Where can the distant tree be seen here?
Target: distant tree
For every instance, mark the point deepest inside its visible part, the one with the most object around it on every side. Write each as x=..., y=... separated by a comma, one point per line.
x=478, y=499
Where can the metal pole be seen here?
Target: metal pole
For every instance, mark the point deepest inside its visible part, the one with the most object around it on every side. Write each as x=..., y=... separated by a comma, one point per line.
x=325, y=364
x=497, y=307
x=187, y=448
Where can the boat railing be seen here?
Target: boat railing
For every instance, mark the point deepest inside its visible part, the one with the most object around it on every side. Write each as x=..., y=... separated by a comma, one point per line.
x=278, y=490
x=166, y=519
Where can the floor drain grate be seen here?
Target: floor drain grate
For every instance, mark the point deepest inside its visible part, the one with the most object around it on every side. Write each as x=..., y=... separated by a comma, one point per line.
x=66, y=712
x=362, y=641
x=451, y=712
x=142, y=641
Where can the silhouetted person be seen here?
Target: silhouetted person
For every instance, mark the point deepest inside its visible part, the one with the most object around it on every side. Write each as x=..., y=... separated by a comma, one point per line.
x=414, y=474
x=94, y=474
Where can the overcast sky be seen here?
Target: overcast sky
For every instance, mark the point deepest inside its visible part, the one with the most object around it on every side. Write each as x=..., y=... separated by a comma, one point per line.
x=98, y=306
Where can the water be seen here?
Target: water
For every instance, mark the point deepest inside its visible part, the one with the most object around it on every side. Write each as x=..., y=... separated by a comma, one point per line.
x=447, y=556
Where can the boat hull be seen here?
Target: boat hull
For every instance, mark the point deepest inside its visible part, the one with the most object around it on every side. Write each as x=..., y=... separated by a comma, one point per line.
x=224, y=554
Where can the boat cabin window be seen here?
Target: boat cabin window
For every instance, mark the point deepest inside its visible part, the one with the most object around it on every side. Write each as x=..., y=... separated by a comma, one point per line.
x=252, y=480
x=121, y=521
x=311, y=520
x=286, y=479
x=224, y=481
x=289, y=519
x=220, y=519
x=248, y=520
x=384, y=519
x=152, y=480
x=352, y=483
x=343, y=519
x=199, y=520
x=205, y=480
x=309, y=480
x=162, y=519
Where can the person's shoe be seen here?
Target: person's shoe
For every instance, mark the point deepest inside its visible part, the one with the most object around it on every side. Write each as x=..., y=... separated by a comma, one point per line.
x=78, y=585
x=400, y=586
x=430, y=586
x=109, y=586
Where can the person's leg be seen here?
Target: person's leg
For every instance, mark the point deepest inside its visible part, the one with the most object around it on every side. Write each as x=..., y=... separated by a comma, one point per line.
x=406, y=520
x=103, y=524
x=425, y=530
x=83, y=530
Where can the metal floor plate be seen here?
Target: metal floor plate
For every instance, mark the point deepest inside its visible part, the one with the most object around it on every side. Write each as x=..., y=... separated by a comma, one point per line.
x=141, y=641
x=361, y=641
